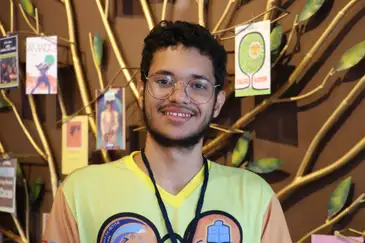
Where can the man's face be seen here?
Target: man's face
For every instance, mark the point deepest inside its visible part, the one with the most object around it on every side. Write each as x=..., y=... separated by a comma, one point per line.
x=177, y=121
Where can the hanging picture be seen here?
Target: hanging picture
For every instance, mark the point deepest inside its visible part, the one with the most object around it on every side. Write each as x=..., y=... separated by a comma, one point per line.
x=110, y=115
x=7, y=185
x=74, y=144
x=41, y=65
x=9, y=62
x=252, y=59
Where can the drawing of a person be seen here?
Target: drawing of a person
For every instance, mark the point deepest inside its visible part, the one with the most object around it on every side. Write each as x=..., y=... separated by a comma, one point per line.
x=109, y=125
x=43, y=69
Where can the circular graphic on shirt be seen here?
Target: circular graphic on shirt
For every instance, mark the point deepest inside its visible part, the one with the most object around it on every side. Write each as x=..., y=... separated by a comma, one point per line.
x=128, y=228
x=215, y=226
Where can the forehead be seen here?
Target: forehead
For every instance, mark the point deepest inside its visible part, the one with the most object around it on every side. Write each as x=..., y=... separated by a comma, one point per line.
x=182, y=62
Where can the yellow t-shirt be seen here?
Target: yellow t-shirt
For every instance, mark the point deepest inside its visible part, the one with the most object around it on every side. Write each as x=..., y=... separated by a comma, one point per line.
x=116, y=202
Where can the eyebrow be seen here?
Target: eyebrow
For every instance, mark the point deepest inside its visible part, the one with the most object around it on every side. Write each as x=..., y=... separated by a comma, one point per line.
x=195, y=76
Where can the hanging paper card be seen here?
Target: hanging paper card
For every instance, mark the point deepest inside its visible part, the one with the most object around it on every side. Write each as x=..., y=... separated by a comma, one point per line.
x=110, y=115
x=333, y=239
x=7, y=185
x=252, y=59
x=41, y=65
x=74, y=144
x=9, y=62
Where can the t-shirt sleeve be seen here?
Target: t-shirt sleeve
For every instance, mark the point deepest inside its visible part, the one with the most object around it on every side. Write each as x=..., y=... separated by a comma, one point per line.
x=275, y=228
x=61, y=225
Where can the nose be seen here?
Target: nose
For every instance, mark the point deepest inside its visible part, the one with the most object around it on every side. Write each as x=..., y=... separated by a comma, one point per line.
x=179, y=95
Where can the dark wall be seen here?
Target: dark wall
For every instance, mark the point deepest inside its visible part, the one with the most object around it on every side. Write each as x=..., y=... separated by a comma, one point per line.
x=284, y=130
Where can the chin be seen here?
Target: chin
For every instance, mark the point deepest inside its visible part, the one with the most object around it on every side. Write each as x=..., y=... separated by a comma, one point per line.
x=187, y=140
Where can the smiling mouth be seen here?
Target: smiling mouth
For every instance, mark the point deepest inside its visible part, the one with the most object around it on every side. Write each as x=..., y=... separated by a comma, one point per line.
x=177, y=114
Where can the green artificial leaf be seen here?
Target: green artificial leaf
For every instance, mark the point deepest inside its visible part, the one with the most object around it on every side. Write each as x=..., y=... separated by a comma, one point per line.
x=28, y=7
x=339, y=197
x=36, y=189
x=276, y=36
x=310, y=9
x=241, y=148
x=98, y=49
x=3, y=103
x=351, y=57
x=264, y=166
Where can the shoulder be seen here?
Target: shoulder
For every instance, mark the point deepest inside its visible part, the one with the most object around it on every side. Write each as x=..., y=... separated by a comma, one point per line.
x=91, y=174
x=243, y=179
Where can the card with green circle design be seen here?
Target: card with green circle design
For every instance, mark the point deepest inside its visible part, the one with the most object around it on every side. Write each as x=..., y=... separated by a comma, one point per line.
x=252, y=59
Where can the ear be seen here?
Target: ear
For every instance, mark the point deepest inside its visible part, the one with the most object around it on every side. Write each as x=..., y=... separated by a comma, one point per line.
x=221, y=98
x=140, y=87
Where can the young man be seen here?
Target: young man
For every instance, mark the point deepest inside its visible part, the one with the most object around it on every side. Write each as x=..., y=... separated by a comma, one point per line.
x=169, y=192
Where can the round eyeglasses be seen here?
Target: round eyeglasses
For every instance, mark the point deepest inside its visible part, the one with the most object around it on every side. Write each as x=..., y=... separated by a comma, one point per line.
x=198, y=90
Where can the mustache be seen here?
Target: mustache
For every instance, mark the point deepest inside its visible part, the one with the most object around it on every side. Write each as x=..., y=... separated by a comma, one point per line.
x=162, y=107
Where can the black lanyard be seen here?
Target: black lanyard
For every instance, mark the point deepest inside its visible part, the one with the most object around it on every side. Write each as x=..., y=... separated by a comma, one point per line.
x=162, y=205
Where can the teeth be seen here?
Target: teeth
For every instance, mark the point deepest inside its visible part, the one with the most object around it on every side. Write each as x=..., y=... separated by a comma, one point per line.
x=177, y=114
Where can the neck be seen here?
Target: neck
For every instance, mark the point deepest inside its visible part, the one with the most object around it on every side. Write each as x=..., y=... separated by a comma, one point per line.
x=172, y=167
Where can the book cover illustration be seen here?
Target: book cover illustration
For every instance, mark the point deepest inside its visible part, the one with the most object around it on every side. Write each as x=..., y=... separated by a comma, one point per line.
x=41, y=65
x=110, y=112
x=9, y=62
x=252, y=59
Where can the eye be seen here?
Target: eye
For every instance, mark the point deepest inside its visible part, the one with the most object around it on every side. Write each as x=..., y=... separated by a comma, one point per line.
x=163, y=81
x=198, y=84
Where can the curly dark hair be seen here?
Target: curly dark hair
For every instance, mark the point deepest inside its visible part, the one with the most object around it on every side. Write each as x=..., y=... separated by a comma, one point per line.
x=168, y=33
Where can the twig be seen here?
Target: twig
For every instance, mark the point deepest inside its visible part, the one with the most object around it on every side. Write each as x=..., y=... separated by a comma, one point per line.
x=217, y=143
x=272, y=22
x=147, y=14
x=38, y=125
x=344, y=105
x=356, y=231
x=22, y=125
x=36, y=20
x=61, y=102
x=116, y=50
x=27, y=208
x=106, y=8
x=41, y=34
x=310, y=93
x=45, y=143
x=269, y=4
x=19, y=228
x=11, y=15
x=338, y=234
x=34, y=29
x=216, y=127
x=11, y=235
x=224, y=15
x=164, y=8
x=98, y=71
x=248, y=21
x=301, y=181
x=295, y=24
x=2, y=30
x=201, y=10
x=335, y=219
